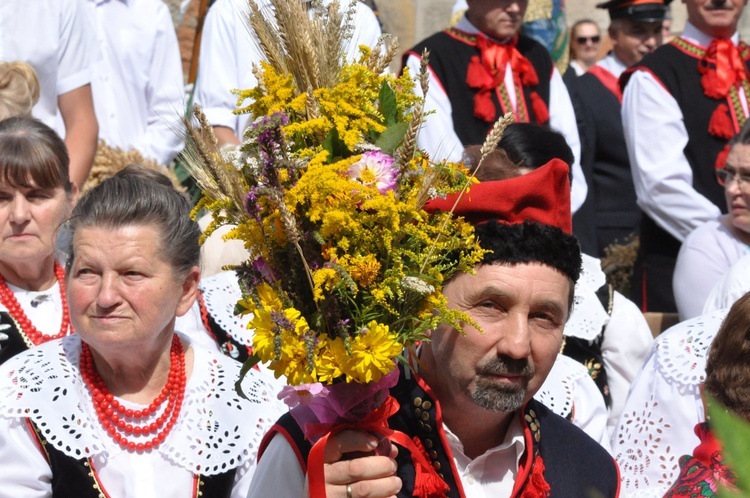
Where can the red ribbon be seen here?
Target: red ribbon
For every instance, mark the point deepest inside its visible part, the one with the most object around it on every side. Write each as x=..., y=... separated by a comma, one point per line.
x=377, y=422
x=722, y=68
x=486, y=72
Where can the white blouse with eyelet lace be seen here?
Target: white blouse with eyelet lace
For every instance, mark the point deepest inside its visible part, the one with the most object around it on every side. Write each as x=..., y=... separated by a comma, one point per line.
x=663, y=407
x=216, y=431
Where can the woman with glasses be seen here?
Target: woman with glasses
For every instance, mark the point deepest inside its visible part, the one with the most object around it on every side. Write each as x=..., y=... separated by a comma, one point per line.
x=584, y=45
x=712, y=248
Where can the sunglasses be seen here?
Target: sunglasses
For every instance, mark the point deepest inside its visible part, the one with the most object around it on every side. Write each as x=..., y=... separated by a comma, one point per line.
x=581, y=40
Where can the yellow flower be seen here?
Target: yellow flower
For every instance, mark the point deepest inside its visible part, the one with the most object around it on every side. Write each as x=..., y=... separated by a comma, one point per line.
x=333, y=354
x=373, y=353
x=324, y=280
x=294, y=360
x=363, y=269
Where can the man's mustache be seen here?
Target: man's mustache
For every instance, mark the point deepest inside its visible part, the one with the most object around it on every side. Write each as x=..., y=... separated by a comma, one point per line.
x=505, y=365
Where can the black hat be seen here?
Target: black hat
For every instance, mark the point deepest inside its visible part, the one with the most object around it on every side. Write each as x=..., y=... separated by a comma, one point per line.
x=637, y=10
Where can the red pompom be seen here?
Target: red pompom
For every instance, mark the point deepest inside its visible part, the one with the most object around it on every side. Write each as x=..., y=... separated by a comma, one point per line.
x=427, y=483
x=720, y=124
x=536, y=486
x=541, y=112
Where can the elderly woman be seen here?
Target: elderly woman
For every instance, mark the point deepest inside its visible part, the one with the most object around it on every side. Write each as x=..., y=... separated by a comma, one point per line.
x=712, y=248
x=127, y=406
x=35, y=197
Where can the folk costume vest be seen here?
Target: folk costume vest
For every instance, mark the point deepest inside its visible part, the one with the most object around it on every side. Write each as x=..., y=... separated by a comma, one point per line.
x=470, y=69
x=78, y=478
x=610, y=210
x=546, y=469
x=711, y=119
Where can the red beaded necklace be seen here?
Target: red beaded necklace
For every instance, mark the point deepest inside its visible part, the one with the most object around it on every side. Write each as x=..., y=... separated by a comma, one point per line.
x=8, y=299
x=120, y=422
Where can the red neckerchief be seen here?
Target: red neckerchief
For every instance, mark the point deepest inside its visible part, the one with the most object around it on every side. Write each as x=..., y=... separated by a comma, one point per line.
x=487, y=71
x=721, y=68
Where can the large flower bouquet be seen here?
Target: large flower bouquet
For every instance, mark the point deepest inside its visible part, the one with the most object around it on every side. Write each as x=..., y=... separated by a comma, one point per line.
x=327, y=191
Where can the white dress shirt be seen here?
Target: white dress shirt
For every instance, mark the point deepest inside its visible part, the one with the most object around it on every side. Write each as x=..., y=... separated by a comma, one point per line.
x=656, y=137
x=138, y=81
x=228, y=53
x=440, y=141
x=612, y=64
x=54, y=37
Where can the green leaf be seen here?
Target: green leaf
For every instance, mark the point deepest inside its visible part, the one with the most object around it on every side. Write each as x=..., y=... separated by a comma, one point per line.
x=336, y=147
x=388, y=105
x=734, y=434
x=392, y=138
x=249, y=363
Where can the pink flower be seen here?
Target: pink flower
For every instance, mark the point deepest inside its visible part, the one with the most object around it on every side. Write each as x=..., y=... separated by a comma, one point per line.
x=375, y=169
x=303, y=394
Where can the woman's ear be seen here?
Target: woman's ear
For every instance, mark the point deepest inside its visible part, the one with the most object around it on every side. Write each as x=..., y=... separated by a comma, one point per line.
x=189, y=291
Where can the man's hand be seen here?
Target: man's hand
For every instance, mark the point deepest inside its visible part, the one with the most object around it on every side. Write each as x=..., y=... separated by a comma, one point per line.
x=362, y=477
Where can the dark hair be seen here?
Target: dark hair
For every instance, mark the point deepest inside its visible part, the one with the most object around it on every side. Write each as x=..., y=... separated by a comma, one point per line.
x=32, y=154
x=530, y=242
x=728, y=363
x=137, y=195
x=531, y=146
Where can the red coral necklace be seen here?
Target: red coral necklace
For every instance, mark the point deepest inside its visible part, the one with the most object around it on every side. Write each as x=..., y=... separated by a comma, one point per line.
x=121, y=422
x=8, y=299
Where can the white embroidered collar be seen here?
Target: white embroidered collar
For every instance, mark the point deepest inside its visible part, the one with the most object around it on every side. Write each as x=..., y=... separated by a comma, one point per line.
x=217, y=430
x=221, y=293
x=681, y=351
x=588, y=316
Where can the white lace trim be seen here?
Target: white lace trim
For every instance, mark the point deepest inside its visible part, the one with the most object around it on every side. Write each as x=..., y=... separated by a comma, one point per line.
x=589, y=316
x=558, y=391
x=681, y=351
x=217, y=430
x=221, y=293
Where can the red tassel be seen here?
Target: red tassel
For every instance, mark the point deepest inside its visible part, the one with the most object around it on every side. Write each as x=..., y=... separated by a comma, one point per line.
x=720, y=124
x=540, y=108
x=427, y=483
x=537, y=486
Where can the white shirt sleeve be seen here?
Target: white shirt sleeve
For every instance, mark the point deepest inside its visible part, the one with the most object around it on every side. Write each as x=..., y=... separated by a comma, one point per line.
x=278, y=472
x=436, y=136
x=224, y=43
x=704, y=257
x=627, y=340
x=661, y=173
x=590, y=412
x=164, y=94
x=25, y=471
x=732, y=286
x=74, y=59
x=562, y=118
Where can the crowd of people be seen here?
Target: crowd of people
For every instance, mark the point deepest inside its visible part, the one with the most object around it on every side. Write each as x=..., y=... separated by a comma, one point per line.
x=118, y=361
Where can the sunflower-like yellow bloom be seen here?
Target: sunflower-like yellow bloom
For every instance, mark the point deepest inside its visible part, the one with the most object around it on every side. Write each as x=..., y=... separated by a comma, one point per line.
x=372, y=354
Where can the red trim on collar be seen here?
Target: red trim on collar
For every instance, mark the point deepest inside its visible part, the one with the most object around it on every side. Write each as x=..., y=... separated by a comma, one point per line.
x=441, y=432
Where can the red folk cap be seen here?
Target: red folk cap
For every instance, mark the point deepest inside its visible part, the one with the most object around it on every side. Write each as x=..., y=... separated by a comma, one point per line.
x=543, y=195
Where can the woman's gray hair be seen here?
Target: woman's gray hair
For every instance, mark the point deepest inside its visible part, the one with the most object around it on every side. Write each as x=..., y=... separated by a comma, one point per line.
x=138, y=196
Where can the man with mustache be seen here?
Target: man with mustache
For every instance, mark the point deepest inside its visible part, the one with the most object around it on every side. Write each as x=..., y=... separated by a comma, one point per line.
x=610, y=213
x=484, y=68
x=681, y=105
x=467, y=403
